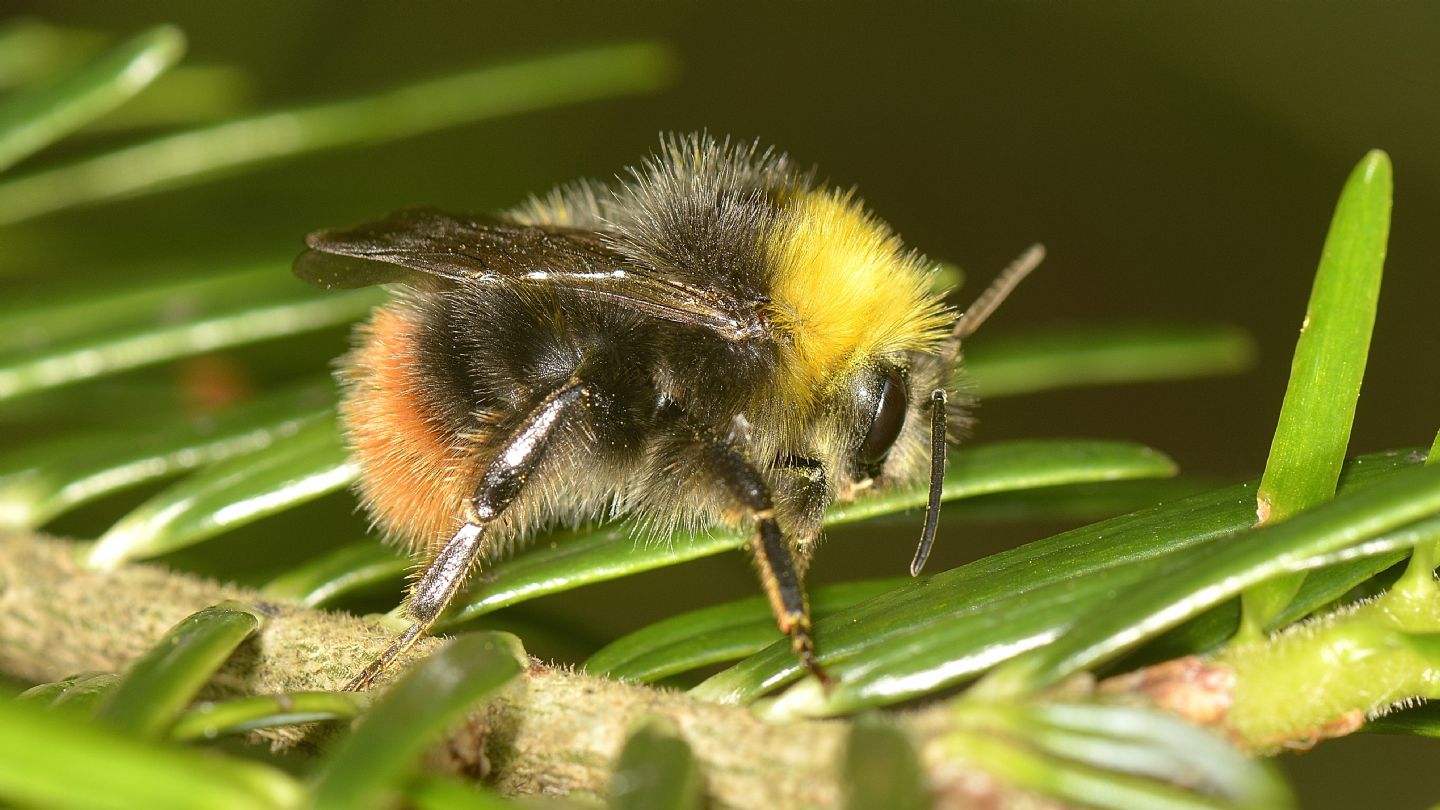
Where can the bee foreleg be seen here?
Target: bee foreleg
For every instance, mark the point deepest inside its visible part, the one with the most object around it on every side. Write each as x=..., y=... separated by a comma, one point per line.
x=514, y=461
x=774, y=556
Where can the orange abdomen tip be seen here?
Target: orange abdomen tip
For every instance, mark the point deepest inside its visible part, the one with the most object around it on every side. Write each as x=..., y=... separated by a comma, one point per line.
x=415, y=473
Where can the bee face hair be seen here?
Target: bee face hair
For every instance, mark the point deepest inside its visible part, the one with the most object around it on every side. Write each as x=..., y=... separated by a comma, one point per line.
x=716, y=339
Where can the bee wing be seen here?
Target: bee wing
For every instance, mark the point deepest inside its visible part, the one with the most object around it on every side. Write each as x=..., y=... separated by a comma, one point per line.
x=415, y=243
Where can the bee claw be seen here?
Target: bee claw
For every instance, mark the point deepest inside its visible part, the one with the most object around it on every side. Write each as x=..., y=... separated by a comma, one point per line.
x=366, y=678
x=826, y=682
x=363, y=681
x=804, y=647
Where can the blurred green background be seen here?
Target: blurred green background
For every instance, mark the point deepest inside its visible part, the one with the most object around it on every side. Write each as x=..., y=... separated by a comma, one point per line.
x=1179, y=160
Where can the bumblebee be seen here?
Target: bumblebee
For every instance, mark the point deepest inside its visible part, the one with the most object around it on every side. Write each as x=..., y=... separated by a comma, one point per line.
x=717, y=339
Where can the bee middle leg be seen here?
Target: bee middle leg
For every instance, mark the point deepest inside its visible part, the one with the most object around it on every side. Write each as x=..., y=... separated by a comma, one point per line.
x=775, y=558
x=447, y=572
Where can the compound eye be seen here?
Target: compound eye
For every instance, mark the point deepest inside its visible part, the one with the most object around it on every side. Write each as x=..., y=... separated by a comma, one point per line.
x=889, y=418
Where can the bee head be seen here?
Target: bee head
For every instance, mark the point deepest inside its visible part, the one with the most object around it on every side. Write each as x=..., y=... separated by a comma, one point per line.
x=869, y=342
x=901, y=410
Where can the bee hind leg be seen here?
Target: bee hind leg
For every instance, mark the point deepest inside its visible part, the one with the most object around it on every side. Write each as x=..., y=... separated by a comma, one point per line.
x=432, y=592
x=515, y=459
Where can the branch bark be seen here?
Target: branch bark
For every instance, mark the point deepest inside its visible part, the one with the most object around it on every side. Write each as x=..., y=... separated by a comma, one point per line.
x=554, y=731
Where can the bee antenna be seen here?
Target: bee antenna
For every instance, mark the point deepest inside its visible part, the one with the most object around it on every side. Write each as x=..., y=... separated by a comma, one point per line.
x=965, y=325
x=991, y=298
x=938, y=402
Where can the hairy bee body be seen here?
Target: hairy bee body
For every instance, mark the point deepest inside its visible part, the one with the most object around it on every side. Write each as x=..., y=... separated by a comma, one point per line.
x=442, y=372
x=715, y=340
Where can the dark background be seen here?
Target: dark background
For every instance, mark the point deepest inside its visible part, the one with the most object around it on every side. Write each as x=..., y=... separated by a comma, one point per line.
x=1179, y=160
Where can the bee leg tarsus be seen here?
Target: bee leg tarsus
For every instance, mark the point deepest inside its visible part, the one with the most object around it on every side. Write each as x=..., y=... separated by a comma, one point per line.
x=366, y=678
x=429, y=596
x=780, y=577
